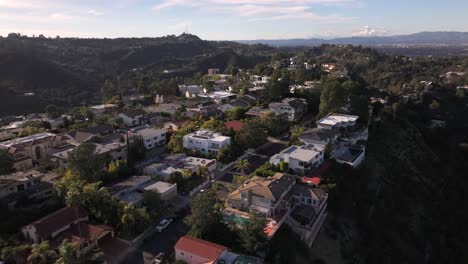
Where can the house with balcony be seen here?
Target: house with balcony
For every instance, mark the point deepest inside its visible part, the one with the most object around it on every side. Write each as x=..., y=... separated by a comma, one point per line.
x=111, y=152
x=260, y=194
x=133, y=117
x=206, y=142
x=281, y=201
x=34, y=185
x=35, y=147
x=179, y=162
x=152, y=137
x=295, y=108
x=301, y=160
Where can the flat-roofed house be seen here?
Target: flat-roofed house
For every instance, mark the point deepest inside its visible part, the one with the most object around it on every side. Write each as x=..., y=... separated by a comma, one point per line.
x=152, y=137
x=179, y=162
x=337, y=121
x=167, y=191
x=205, y=141
x=301, y=159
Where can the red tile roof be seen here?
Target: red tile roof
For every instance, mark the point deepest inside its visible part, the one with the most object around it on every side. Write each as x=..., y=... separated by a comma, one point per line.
x=85, y=231
x=199, y=247
x=58, y=219
x=234, y=125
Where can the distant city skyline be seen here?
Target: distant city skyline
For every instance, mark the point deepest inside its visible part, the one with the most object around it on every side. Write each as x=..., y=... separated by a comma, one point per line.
x=230, y=19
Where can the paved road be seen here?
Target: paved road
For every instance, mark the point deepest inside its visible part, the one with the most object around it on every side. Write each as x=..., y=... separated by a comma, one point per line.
x=160, y=242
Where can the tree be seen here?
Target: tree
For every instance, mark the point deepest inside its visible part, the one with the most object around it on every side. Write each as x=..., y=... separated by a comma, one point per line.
x=204, y=215
x=242, y=165
x=332, y=97
x=41, y=253
x=176, y=143
x=252, y=235
x=6, y=161
x=296, y=132
x=128, y=218
x=238, y=180
x=67, y=252
x=52, y=111
x=10, y=254
x=84, y=162
x=66, y=122
x=152, y=201
x=434, y=105
x=395, y=108
x=252, y=135
x=460, y=93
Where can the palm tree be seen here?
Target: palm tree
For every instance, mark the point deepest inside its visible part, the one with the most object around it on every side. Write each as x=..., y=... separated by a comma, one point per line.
x=203, y=171
x=67, y=252
x=40, y=253
x=242, y=165
x=128, y=217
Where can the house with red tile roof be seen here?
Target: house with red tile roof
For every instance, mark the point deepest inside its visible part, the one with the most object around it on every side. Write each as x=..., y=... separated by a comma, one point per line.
x=70, y=223
x=234, y=125
x=197, y=251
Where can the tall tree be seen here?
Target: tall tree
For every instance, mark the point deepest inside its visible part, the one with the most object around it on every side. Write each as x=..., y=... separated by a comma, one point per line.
x=242, y=165
x=84, y=162
x=41, y=253
x=67, y=253
x=296, y=132
x=252, y=235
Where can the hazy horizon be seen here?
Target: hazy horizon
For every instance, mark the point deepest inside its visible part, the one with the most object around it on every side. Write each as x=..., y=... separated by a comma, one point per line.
x=229, y=19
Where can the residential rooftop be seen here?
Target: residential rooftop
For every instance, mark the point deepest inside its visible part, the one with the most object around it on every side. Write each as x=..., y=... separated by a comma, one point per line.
x=334, y=119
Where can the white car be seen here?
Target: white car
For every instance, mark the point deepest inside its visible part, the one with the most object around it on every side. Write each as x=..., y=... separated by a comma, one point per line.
x=163, y=224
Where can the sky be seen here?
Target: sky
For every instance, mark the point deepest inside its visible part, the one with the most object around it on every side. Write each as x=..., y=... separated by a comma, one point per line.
x=230, y=19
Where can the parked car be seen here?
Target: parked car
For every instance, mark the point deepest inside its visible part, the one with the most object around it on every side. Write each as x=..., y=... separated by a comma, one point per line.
x=163, y=224
x=159, y=258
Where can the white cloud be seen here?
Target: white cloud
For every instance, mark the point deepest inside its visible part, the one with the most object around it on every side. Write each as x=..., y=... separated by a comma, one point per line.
x=95, y=13
x=262, y=10
x=368, y=31
x=60, y=16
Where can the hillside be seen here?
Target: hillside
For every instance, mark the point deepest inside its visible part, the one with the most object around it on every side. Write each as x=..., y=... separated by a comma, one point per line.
x=70, y=72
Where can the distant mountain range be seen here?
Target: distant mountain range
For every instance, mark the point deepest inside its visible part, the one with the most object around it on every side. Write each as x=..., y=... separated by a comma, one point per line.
x=422, y=38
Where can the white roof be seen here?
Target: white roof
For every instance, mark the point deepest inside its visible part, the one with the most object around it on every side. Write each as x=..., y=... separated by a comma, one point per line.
x=160, y=187
x=307, y=152
x=103, y=106
x=149, y=131
x=333, y=119
x=26, y=139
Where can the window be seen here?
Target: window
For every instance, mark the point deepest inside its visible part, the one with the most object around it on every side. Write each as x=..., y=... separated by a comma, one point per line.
x=20, y=187
x=155, y=138
x=301, y=163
